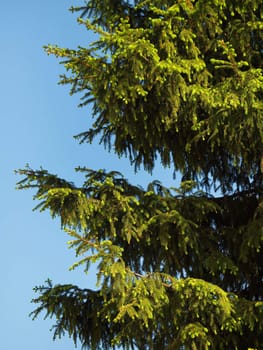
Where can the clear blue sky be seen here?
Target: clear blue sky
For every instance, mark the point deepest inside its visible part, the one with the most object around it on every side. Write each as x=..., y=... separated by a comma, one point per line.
x=38, y=121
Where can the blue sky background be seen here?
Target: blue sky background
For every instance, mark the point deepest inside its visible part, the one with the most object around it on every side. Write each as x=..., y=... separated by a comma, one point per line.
x=38, y=121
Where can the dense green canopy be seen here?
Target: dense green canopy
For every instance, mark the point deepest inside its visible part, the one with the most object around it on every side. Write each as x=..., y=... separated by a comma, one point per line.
x=182, y=79
x=178, y=268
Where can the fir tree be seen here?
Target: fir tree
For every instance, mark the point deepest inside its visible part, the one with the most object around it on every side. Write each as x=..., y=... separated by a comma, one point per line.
x=178, y=268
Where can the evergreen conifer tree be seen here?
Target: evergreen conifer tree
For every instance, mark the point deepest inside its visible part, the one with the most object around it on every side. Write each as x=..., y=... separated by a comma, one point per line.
x=178, y=268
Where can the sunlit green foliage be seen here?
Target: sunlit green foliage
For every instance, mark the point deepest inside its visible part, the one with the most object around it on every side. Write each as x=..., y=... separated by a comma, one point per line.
x=178, y=268
x=179, y=79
